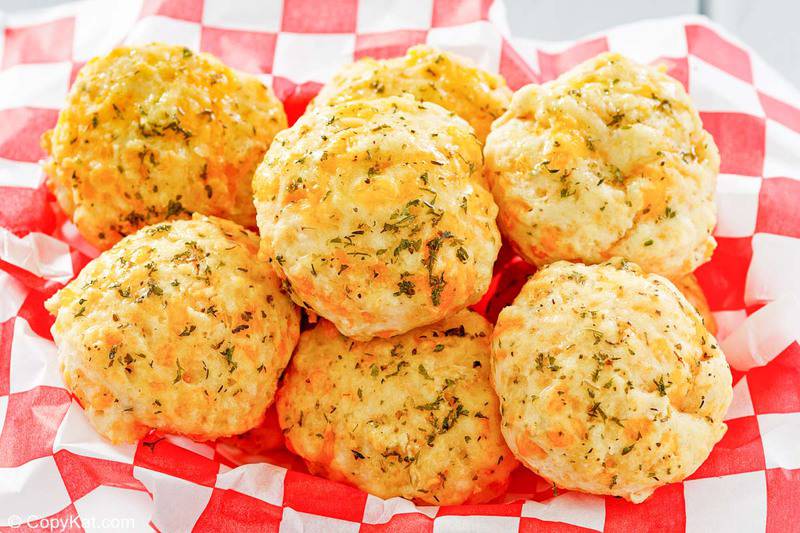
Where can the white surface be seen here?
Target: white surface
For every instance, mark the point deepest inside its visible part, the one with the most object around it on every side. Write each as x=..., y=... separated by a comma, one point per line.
x=383, y=15
x=582, y=510
x=176, y=502
x=40, y=254
x=716, y=503
x=262, y=16
x=785, y=160
x=780, y=433
x=14, y=293
x=20, y=174
x=40, y=477
x=477, y=524
x=33, y=360
x=179, y=33
x=297, y=522
x=378, y=511
x=739, y=96
x=97, y=516
x=628, y=37
x=764, y=334
x=262, y=481
x=40, y=79
x=742, y=404
x=737, y=205
x=313, y=56
x=3, y=410
x=764, y=282
x=113, y=17
x=460, y=39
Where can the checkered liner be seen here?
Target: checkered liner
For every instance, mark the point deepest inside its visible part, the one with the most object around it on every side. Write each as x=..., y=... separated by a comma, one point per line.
x=52, y=464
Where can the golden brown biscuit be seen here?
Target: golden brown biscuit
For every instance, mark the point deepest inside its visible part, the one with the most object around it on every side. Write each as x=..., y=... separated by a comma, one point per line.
x=377, y=214
x=428, y=74
x=178, y=327
x=610, y=159
x=157, y=132
x=411, y=416
x=608, y=381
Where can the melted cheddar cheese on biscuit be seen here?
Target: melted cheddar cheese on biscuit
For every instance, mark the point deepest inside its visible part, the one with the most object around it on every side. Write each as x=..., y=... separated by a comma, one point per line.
x=178, y=327
x=609, y=382
x=610, y=159
x=377, y=215
x=412, y=416
x=427, y=74
x=157, y=132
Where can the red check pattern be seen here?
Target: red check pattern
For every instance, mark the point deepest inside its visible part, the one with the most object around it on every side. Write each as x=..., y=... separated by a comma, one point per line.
x=56, y=471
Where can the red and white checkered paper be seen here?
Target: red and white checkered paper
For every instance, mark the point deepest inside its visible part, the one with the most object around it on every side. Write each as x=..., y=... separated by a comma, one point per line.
x=56, y=471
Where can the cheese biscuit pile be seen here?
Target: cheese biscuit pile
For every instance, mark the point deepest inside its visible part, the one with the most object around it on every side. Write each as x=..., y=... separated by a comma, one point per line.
x=379, y=216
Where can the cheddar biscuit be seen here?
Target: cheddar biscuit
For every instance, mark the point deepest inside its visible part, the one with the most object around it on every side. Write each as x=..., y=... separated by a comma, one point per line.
x=610, y=159
x=608, y=381
x=427, y=74
x=376, y=214
x=156, y=132
x=411, y=416
x=178, y=327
